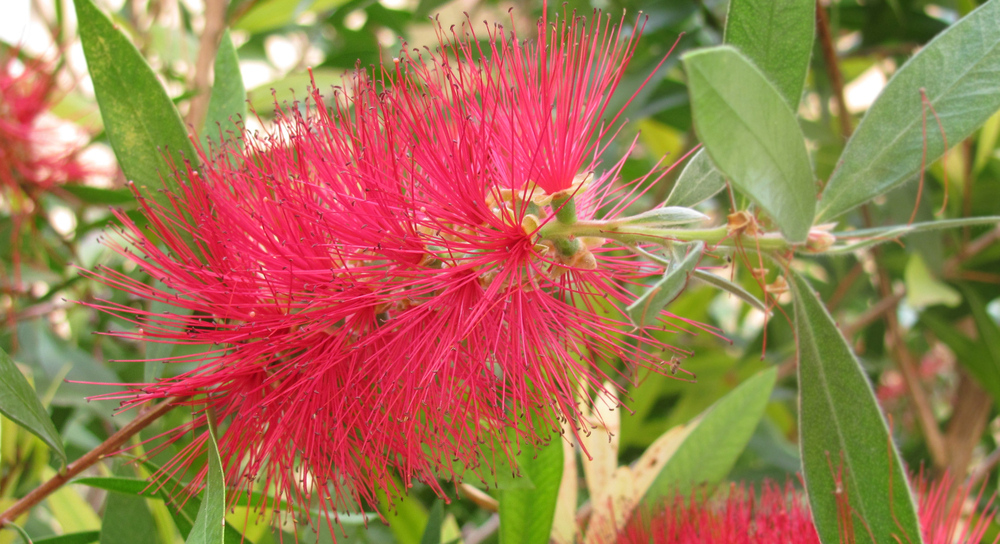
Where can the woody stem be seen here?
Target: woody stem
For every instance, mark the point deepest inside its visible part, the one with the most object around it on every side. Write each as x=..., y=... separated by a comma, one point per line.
x=108, y=447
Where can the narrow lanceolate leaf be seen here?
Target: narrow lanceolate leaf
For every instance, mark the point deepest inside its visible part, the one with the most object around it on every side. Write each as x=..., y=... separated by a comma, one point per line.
x=777, y=35
x=141, y=122
x=646, y=309
x=958, y=71
x=699, y=181
x=752, y=136
x=85, y=537
x=879, y=235
x=228, y=103
x=664, y=216
x=718, y=437
x=526, y=514
x=211, y=521
x=844, y=440
x=20, y=404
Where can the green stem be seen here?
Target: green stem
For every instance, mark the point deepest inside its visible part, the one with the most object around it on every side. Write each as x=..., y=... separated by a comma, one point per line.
x=629, y=234
x=565, y=209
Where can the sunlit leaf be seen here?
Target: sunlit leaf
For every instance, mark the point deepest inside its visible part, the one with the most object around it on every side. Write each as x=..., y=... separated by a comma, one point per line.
x=777, y=35
x=958, y=72
x=752, y=136
x=844, y=439
x=526, y=515
x=142, y=124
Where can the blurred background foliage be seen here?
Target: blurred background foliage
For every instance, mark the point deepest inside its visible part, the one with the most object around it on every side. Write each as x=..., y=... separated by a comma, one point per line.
x=923, y=317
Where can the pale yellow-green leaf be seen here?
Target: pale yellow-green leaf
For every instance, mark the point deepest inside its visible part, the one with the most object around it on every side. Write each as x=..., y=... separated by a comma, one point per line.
x=923, y=289
x=987, y=143
x=564, y=522
x=69, y=509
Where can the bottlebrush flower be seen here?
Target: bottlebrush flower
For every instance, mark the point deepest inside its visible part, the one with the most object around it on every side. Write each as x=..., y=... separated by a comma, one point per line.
x=28, y=158
x=373, y=274
x=781, y=515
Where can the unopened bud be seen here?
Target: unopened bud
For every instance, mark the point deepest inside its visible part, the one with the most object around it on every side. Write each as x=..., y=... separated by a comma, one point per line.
x=819, y=240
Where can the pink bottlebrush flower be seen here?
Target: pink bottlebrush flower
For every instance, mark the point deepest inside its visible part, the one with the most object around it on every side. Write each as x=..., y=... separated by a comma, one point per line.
x=374, y=275
x=781, y=515
x=27, y=155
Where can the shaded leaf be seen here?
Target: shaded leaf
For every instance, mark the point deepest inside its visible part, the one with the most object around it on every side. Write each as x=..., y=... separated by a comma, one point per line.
x=752, y=136
x=127, y=521
x=20, y=404
x=647, y=307
x=432, y=533
x=974, y=356
x=878, y=235
x=86, y=537
x=526, y=515
x=777, y=35
x=958, y=71
x=844, y=439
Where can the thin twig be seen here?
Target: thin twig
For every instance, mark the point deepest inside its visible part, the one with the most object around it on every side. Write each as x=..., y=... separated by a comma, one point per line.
x=215, y=24
x=833, y=68
x=106, y=448
x=479, y=497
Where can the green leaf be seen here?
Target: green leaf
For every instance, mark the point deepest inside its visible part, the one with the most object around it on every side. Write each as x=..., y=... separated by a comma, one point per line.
x=664, y=216
x=878, y=235
x=718, y=437
x=208, y=526
x=128, y=486
x=141, y=121
x=127, y=521
x=958, y=70
x=777, y=35
x=229, y=96
x=923, y=289
x=646, y=309
x=95, y=195
x=86, y=537
x=752, y=136
x=844, y=439
x=973, y=355
x=989, y=333
x=409, y=518
x=699, y=181
x=732, y=288
x=526, y=515
x=20, y=404
x=986, y=143
x=432, y=533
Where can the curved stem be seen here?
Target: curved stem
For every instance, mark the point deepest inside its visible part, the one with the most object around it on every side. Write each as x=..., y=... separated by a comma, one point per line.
x=631, y=234
x=108, y=447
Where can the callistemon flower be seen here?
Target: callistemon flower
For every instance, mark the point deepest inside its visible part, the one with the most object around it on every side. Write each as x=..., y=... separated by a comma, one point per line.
x=780, y=515
x=28, y=157
x=380, y=296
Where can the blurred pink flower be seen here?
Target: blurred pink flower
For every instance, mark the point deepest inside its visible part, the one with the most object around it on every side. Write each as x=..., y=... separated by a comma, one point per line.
x=372, y=274
x=781, y=516
x=28, y=155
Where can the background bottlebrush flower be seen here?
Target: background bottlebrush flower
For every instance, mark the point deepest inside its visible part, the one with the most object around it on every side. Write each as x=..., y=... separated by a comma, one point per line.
x=376, y=284
x=29, y=153
x=781, y=515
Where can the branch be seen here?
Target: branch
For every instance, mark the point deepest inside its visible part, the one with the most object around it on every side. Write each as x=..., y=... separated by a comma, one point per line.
x=832, y=68
x=106, y=448
x=215, y=24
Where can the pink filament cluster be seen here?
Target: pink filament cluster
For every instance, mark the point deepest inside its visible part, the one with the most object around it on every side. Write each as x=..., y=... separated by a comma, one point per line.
x=375, y=301
x=781, y=515
x=27, y=158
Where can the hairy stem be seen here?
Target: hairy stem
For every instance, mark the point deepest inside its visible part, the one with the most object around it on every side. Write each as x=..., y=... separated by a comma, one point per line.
x=106, y=448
